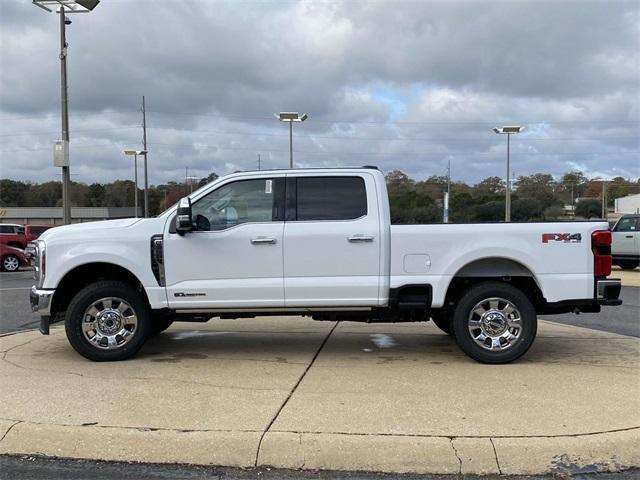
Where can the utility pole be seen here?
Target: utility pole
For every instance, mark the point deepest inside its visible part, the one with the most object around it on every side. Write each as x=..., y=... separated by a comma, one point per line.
x=186, y=176
x=135, y=182
x=146, y=177
x=604, y=200
x=259, y=162
x=447, y=194
x=66, y=174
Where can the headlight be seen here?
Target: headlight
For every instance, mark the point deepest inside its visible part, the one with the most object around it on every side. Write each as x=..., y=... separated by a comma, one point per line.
x=39, y=263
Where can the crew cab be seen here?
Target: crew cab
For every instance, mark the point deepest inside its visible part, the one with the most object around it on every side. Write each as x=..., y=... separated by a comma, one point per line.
x=319, y=243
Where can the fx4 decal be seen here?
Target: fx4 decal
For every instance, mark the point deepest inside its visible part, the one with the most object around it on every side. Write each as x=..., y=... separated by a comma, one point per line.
x=562, y=237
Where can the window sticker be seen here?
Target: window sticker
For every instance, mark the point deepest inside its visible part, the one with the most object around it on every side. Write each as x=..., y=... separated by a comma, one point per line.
x=268, y=186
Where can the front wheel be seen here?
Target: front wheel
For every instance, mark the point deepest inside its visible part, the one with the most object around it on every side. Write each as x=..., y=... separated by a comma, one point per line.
x=494, y=323
x=107, y=321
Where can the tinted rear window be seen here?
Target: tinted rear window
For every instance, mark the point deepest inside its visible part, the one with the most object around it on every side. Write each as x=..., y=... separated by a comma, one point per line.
x=331, y=198
x=6, y=229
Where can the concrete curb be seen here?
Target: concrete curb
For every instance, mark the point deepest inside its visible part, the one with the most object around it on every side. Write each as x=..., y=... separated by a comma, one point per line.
x=598, y=452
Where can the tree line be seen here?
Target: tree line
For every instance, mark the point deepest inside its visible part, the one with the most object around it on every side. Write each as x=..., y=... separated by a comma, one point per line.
x=534, y=197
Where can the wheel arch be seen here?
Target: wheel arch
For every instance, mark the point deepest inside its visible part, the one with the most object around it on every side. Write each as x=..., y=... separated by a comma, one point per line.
x=82, y=275
x=502, y=269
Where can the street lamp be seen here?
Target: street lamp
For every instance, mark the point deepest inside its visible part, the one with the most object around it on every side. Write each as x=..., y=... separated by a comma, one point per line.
x=135, y=154
x=291, y=117
x=62, y=7
x=508, y=131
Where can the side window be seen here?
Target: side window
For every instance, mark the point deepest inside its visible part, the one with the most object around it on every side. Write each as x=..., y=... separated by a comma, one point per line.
x=6, y=229
x=236, y=203
x=626, y=225
x=331, y=198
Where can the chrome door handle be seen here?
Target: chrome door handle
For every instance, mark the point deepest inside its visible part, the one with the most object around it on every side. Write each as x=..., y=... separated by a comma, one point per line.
x=360, y=238
x=263, y=241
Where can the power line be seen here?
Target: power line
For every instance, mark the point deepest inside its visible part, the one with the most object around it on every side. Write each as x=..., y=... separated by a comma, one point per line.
x=21, y=134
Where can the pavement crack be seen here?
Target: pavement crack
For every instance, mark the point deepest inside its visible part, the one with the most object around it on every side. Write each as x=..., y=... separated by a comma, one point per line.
x=286, y=400
x=9, y=429
x=495, y=453
x=456, y=454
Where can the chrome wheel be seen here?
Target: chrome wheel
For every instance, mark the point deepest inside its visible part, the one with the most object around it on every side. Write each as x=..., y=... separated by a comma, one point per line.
x=495, y=324
x=109, y=323
x=11, y=263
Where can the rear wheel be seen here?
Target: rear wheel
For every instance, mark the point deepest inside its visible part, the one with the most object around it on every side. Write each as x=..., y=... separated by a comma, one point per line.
x=10, y=263
x=107, y=321
x=494, y=323
x=627, y=264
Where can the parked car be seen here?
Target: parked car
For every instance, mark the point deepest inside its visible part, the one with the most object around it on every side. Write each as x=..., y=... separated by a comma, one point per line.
x=32, y=232
x=13, y=235
x=625, y=246
x=315, y=242
x=11, y=259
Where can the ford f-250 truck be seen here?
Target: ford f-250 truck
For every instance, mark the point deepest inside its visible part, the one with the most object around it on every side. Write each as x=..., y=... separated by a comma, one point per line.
x=314, y=242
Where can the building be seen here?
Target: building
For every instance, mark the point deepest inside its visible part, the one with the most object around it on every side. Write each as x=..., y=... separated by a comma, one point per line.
x=628, y=204
x=53, y=215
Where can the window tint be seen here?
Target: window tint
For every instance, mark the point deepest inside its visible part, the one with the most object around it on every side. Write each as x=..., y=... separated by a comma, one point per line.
x=235, y=203
x=331, y=198
x=6, y=229
x=626, y=225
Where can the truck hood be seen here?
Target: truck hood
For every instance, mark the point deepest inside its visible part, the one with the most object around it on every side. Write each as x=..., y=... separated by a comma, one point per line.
x=79, y=230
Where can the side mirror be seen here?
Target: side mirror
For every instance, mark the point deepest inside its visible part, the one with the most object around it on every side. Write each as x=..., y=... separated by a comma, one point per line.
x=183, y=218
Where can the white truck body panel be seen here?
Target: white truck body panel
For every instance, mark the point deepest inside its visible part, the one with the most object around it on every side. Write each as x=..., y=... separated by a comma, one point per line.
x=561, y=270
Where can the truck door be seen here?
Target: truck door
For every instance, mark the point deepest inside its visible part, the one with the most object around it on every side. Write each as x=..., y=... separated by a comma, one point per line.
x=626, y=237
x=233, y=258
x=331, y=241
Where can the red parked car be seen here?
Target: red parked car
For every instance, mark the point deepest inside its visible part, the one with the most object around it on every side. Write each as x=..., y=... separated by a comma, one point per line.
x=19, y=236
x=32, y=232
x=11, y=259
x=12, y=235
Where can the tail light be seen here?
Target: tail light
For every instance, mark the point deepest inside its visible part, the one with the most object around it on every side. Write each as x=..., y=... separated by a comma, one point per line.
x=601, y=247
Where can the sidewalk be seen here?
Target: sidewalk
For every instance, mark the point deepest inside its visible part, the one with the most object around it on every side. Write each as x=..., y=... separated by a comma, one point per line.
x=294, y=393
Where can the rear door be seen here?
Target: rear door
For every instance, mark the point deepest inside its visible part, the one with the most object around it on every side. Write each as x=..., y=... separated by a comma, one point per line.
x=331, y=241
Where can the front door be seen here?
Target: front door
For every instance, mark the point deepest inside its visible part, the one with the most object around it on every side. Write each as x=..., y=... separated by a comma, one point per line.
x=233, y=257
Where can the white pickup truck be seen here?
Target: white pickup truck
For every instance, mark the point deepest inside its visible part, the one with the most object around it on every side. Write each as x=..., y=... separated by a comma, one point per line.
x=314, y=242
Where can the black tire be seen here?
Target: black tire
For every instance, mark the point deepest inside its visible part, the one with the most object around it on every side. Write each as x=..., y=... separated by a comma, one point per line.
x=627, y=264
x=160, y=322
x=10, y=263
x=84, y=300
x=442, y=320
x=509, y=350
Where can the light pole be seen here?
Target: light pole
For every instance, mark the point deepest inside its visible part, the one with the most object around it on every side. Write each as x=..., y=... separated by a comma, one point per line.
x=291, y=117
x=63, y=7
x=508, y=131
x=135, y=154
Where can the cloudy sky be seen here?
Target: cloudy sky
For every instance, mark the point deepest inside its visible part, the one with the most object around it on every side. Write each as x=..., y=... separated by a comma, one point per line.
x=406, y=85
